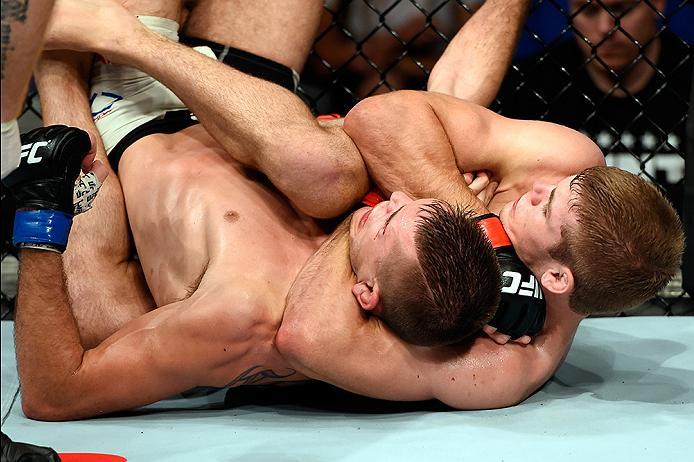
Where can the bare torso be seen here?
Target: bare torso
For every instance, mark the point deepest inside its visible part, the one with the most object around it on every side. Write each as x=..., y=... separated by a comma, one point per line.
x=206, y=226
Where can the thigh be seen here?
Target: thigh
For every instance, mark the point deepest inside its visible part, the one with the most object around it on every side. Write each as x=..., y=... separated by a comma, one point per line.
x=280, y=30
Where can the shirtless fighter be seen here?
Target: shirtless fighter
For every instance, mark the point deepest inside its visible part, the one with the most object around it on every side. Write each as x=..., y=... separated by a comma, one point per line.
x=402, y=371
x=594, y=253
x=219, y=266
x=613, y=241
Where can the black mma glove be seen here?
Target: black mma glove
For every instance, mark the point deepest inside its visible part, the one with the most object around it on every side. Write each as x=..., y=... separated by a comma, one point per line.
x=23, y=452
x=522, y=307
x=44, y=182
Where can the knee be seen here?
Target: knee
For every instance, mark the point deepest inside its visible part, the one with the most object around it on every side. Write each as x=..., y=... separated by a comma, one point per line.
x=332, y=192
x=334, y=177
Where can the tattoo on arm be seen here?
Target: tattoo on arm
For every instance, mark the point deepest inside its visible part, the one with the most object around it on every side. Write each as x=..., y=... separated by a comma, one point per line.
x=12, y=11
x=253, y=375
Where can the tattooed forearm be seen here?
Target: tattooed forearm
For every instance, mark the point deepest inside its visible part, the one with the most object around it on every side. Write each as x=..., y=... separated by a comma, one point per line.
x=253, y=375
x=13, y=11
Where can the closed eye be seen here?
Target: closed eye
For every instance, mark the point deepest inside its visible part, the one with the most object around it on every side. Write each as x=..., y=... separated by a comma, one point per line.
x=383, y=231
x=547, y=210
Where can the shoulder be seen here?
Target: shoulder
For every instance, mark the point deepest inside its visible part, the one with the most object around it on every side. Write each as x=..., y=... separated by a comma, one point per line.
x=233, y=311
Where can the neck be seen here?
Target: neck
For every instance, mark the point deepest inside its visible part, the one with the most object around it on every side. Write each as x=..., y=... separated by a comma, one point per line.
x=629, y=81
x=560, y=317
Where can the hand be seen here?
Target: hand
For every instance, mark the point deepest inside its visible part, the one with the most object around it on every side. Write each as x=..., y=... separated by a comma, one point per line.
x=502, y=339
x=522, y=309
x=481, y=185
x=87, y=185
x=44, y=185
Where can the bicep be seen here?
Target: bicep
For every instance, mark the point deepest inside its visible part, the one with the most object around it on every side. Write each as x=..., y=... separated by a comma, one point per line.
x=151, y=358
x=367, y=359
x=489, y=376
x=404, y=144
x=544, y=146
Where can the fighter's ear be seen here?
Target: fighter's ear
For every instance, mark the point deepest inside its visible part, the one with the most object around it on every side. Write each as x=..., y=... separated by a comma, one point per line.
x=558, y=279
x=367, y=296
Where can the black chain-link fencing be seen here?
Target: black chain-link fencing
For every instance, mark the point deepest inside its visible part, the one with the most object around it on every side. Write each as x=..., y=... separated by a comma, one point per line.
x=619, y=71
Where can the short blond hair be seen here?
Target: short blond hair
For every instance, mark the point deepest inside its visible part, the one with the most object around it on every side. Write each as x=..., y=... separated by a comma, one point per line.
x=628, y=243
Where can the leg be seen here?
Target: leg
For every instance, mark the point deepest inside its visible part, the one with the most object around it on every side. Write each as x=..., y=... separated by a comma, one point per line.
x=106, y=287
x=475, y=62
x=100, y=241
x=317, y=167
x=260, y=124
x=280, y=31
x=22, y=23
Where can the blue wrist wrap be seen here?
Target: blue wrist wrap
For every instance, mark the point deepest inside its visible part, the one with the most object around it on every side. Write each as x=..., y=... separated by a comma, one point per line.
x=41, y=227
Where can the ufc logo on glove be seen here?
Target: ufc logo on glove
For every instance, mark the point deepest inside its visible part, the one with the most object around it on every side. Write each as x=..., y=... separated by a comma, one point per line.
x=29, y=151
x=513, y=284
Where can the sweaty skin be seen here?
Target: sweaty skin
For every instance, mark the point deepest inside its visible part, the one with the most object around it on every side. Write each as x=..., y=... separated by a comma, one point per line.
x=226, y=236
x=219, y=325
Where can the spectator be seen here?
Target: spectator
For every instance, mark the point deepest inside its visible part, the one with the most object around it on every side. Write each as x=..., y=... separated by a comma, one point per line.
x=624, y=81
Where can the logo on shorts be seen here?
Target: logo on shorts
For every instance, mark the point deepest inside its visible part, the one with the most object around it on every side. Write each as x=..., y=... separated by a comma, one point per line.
x=102, y=103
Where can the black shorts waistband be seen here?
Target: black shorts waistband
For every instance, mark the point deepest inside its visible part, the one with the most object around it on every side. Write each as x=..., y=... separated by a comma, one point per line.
x=249, y=63
x=172, y=122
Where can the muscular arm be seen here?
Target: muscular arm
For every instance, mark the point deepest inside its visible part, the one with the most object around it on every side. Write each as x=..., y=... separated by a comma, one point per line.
x=62, y=82
x=406, y=148
x=422, y=141
x=326, y=336
x=474, y=63
x=162, y=353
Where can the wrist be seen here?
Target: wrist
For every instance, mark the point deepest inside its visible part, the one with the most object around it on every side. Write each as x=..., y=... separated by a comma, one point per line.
x=41, y=229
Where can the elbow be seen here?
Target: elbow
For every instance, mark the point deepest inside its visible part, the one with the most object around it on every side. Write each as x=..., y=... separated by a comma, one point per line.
x=371, y=113
x=41, y=408
x=53, y=402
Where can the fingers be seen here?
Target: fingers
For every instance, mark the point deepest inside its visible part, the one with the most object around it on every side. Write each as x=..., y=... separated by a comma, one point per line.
x=88, y=158
x=468, y=177
x=479, y=183
x=99, y=170
x=502, y=339
x=499, y=338
x=486, y=195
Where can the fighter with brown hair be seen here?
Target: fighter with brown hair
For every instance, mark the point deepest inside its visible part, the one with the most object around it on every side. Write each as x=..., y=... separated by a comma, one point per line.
x=442, y=136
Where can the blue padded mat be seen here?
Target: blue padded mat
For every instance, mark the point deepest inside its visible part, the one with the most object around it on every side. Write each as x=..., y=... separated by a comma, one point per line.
x=625, y=392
